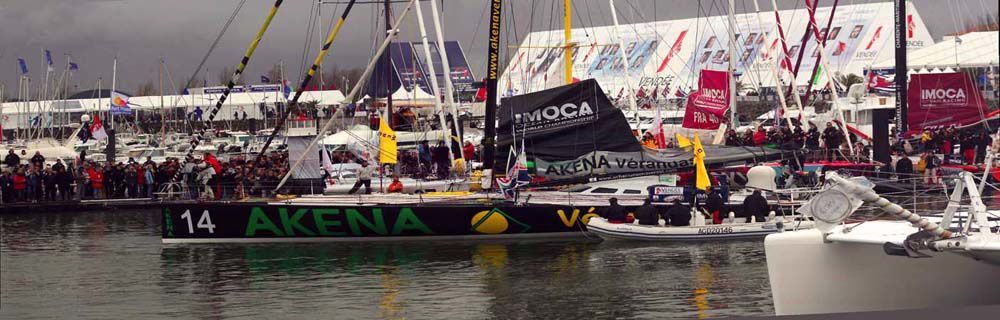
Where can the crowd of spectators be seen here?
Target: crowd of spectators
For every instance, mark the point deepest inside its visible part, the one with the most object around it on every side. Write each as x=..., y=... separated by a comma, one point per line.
x=36, y=179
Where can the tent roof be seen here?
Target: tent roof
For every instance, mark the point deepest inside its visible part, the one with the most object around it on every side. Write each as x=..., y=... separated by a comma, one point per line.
x=417, y=94
x=974, y=49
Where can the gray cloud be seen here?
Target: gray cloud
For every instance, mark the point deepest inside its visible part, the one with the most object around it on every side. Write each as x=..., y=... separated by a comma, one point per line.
x=141, y=31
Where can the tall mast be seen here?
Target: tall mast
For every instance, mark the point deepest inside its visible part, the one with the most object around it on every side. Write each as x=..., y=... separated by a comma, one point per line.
x=492, y=73
x=112, y=138
x=901, y=67
x=387, y=67
x=786, y=60
x=774, y=68
x=733, y=118
x=449, y=87
x=163, y=119
x=831, y=81
x=567, y=33
x=621, y=51
x=434, y=83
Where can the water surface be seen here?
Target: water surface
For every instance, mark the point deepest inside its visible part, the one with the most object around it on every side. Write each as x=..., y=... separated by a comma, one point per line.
x=112, y=265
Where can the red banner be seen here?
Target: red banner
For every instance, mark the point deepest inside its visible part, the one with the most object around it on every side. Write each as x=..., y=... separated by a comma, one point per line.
x=696, y=117
x=707, y=107
x=942, y=100
x=713, y=92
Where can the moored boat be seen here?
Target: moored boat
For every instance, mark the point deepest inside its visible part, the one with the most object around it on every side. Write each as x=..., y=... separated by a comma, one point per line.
x=695, y=232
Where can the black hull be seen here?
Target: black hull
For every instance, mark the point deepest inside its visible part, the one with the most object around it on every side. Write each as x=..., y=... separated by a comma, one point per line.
x=278, y=222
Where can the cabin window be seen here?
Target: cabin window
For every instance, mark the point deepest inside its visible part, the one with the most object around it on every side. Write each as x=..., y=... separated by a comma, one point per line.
x=632, y=191
x=603, y=190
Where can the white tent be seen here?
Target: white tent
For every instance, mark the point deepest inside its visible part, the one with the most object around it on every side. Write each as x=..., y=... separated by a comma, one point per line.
x=974, y=49
x=417, y=95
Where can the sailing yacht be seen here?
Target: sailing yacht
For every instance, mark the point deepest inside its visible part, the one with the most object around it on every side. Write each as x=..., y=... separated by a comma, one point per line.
x=949, y=259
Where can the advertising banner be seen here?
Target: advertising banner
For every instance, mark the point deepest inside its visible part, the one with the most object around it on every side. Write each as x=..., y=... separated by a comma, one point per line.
x=942, y=100
x=564, y=123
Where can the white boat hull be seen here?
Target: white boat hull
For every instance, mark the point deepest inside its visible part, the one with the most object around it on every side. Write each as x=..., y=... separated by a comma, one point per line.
x=809, y=275
x=629, y=231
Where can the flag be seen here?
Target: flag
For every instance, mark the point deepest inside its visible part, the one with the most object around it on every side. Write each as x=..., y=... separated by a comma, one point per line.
x=48, y=59
x=386, y=143
x=701, y=173
x=682, y=141
x=325, y=161
x=286, y=89
x=517, y=176
x=73, y=66
x=264, y=79
x=97, y=129
x=657, y=130
x=212, y=161
x=819, y=71
x=119, y=103
x=24, y=66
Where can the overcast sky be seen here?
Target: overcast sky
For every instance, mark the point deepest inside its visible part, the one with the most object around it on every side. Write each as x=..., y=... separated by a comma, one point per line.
x=181, y=31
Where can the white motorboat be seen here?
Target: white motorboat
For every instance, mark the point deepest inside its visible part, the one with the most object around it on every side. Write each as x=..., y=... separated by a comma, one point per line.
x=949, y=260
x=697, y=231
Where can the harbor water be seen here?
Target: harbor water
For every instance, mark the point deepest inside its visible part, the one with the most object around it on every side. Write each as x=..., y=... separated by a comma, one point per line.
x=111, y=264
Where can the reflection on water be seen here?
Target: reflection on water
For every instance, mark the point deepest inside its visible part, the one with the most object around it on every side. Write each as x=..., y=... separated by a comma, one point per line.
x=112, y=265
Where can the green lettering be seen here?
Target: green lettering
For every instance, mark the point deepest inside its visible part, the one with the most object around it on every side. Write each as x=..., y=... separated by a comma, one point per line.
x=377, y=224
x=322, y=224
x=291, y=224
x=259, y=220
x=407, y=220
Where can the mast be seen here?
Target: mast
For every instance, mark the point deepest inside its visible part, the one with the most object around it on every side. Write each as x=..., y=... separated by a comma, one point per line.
x=110, y=151
x=774, y=69
x=492, y=73
x=350, y=97
x=163, y=119
x=567, y=33
x=387, y=70
x=829, y=23
x=901, y=67
x=621, y=51
x=733, y=118
x=831, y=81
x=436, y=90
x=449, y=87
x=787, y=61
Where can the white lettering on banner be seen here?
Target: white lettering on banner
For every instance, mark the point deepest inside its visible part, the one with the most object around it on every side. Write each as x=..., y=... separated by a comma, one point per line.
x=715, y=94
x=941, y=94
x=565, y=112
x=601, y=164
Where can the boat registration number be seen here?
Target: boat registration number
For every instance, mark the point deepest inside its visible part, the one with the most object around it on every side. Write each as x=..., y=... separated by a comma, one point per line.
x=715, y=230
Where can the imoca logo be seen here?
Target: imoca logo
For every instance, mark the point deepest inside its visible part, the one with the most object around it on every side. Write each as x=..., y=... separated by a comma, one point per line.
x=552, y=113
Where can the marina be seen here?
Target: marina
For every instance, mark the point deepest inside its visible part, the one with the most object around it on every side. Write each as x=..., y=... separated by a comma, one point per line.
x=693, y=165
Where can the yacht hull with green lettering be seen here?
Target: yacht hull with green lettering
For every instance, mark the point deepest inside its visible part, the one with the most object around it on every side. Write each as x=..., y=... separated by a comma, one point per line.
x=278, y=222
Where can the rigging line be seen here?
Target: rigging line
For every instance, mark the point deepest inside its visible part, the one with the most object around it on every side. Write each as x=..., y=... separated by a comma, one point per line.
x=310, y=30
x=215, y=43
x=305, y=81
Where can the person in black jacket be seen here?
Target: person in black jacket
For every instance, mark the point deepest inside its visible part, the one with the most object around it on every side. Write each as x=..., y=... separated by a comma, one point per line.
x=12, y=160
x=679, y=215
x=614, y=212
x=38, y=160
x=755, y=205
x=714, y=204
x=647, y=214
x=904, y=166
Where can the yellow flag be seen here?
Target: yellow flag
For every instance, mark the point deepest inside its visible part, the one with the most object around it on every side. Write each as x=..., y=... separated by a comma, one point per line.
x=386, y=143
x=682, y=141
x=700, y=172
